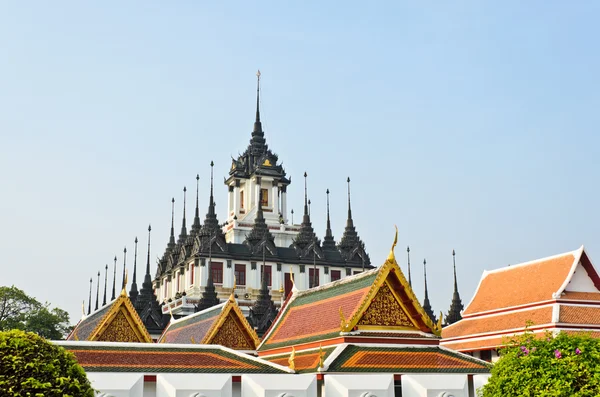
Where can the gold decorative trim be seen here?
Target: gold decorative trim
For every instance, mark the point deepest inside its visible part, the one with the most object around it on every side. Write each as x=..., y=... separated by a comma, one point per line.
x=230, y=306
x=131, y=315
x=390, y=266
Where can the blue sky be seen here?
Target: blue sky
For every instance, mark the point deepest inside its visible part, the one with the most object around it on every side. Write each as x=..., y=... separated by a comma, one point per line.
x=470, y=125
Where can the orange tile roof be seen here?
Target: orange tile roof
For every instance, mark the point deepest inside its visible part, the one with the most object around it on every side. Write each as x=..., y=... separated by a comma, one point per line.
x=584, y=296
x=579, y=315
x=499, y=322
x=471, y=345
x=521, y=284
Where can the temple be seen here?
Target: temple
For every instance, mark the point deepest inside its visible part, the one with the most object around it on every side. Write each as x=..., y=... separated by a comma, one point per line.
x=558, y=293
x=365, y=334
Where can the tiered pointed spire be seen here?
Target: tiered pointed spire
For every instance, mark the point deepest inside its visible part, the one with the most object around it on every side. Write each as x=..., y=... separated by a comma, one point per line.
x=328, y=241
x=183, y=233
x=263, y=312
x=257, y=142
x=351, y=244
x=114, y=279
x=306, y=235
x=146, y=292
x=426, y=304
x=211, y=223
x=456, y=306
x=196, y=225
x=133, y=292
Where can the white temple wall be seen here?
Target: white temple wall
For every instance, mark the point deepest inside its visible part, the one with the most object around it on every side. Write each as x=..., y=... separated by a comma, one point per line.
x=275, y=385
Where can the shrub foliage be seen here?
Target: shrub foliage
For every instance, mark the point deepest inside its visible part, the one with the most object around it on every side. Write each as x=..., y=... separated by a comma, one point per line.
x=32, y=366
x=565, y=365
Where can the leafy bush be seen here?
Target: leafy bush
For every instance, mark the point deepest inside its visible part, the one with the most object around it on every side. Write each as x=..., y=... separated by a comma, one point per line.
x=565, y=365
x=32, y=366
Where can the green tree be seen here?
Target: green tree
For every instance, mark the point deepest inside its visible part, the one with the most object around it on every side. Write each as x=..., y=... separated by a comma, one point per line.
x=565, y=365
x=32, y=366
x=20, y=311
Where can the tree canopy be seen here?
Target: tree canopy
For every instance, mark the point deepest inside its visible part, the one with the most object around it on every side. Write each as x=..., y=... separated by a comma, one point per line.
x=20, y=311
x=563, y=365
x=32, y=366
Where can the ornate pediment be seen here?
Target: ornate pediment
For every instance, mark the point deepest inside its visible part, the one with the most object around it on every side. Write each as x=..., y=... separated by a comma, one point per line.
x=233, y=335
x=385, y=311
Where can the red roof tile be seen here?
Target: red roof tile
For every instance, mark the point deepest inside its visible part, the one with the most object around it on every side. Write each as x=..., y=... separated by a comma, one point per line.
x=579, y=315
x=497, y=322
x=521, y=284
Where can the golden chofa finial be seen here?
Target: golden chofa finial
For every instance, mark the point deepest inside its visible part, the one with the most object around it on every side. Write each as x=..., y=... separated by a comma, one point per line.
x=391, y=257
x=291, y=362
x=439, y=322
x=321, y=354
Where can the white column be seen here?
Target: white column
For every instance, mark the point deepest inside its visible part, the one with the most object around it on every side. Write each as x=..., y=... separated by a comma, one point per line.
x=284, y=205
x=257, y=194
x=236, y=200
x=275, y=201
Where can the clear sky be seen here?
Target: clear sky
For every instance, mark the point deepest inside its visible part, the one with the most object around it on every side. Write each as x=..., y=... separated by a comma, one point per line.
x=471, y=125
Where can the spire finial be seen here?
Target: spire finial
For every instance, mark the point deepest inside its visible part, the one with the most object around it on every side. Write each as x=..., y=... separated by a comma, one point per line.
x=408, y=256
x=212, y=165
x=425, y=275
x=257, y=96
x=133, y=292
x=328, y=241
x=196, y=226
x=454, y=265
x=172, y=238
x=97, y=292
x=90, y=298
x=349, y=207
x=114, y=279
x=183, y=233
x=124, y=266
x=148, y=259
x=305, y=195
x=105, y=280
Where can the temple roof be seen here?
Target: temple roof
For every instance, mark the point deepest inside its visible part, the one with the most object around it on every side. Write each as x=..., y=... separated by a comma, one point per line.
x=530, y=296
x=117, y=321
x=379, y=299
x=156, y=358
x=222, y=324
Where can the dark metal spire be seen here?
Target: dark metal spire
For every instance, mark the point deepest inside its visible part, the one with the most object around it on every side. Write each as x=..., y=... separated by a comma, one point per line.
x=426, y=304
x=171, y=244
x=124, y=266
x=114, y=279
x=257, y=97
x=328, y=241
x=146, y=295
x=456, y=306
x=97, y=292
x=263, y=312
x=90, y=299
x=183, y=234
x=350, y=244
x=211, y=223
x=349, y=221
x=196, y=225
x=408, y=255
x=306, y=235
x=133, y=292
x=105, y=280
